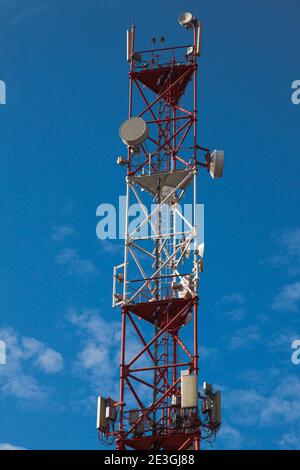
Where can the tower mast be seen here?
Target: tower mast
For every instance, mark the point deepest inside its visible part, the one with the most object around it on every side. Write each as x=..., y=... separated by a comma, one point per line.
x=156, y=286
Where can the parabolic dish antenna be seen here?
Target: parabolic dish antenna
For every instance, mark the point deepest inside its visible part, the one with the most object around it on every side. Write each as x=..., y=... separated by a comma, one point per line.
x=201, y=250
x=216, y=164
x=134, y=131
x=185, y=19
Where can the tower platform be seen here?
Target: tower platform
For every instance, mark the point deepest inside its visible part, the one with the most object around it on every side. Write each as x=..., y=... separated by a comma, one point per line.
x=170, y=441
x=159, y=79
x=167, y=180
x=163, y=311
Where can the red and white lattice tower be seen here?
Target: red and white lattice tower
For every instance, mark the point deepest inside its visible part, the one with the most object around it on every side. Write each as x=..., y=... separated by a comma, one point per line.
x=156, y=286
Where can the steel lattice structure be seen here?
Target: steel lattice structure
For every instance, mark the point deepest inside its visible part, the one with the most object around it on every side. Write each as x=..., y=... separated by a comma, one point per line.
x=156, y=286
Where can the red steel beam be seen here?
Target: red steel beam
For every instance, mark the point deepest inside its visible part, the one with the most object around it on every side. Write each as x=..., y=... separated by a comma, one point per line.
x=168, y=325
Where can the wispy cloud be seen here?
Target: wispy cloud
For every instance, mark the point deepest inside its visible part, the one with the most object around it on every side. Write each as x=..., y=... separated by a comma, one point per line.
x=8, y=3
x=230, y=438
x=77, y=266
x=235, y=314
x=232, y=306
x=7, y=446
x=14, y=11
x=282, y=405
x=46, y=359
x=245, y=337
x=286, y=253
x=245, y=406
x=61, y=232
x=288, y=299
x=270, y=401
x=110, y=247
x=208, y=354
x=282, y=341
x=25, y=357
x=50, y=361
x=98, y=357
x=232, y=298
x=290, y=441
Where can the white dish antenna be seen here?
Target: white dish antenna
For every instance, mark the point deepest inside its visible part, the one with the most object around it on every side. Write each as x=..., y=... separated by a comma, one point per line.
x=216, y=164
x=186, y=19
x=201, y=250
x=134, y=131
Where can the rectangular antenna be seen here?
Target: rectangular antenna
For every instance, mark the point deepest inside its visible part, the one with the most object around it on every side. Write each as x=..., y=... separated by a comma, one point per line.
x=189, y=391
x=216, y=411
x=129, y=45
x=101, y=404
x=199, y=38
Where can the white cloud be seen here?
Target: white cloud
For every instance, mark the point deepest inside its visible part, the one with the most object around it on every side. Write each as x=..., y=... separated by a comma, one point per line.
x=30, y=347
x=21, y=385
x=235, y=314
x=92, y=356
x=288, y=299
x=7, y=446
x=290, y=239
x=208, y=354
x=61, y=232
x=243, y=338
x=290, y=441
x=234, y=305
x=287, y=254
x=99, y=355
x=283, y=405
x=46, y=359
x=232, y=298
x=282, y=341
x=16, y=10
x=25, y=356
x=91, y=323
x=269, y=404
x=111, y=247
x=244, y=406
x=230, y=438
x=50, y=361
x=99, y=348
x=78, y=266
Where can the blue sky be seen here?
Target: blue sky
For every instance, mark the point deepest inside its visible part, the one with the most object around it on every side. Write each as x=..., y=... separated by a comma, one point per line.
x=64, y=66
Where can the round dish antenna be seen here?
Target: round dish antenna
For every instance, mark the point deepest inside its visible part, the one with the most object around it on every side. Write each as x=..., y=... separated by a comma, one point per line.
x=216, y=164
x=201, y=250
x=186, y=19
x=134, y=131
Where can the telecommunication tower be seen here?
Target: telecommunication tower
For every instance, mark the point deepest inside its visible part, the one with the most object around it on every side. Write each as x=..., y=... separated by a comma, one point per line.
x=156, y=286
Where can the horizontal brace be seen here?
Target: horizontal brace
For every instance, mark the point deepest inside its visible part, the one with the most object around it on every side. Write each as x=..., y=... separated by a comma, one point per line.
x=163, y=235
x=168, y=366
x=166, y=276
x=163, y=49
x=178, y=118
